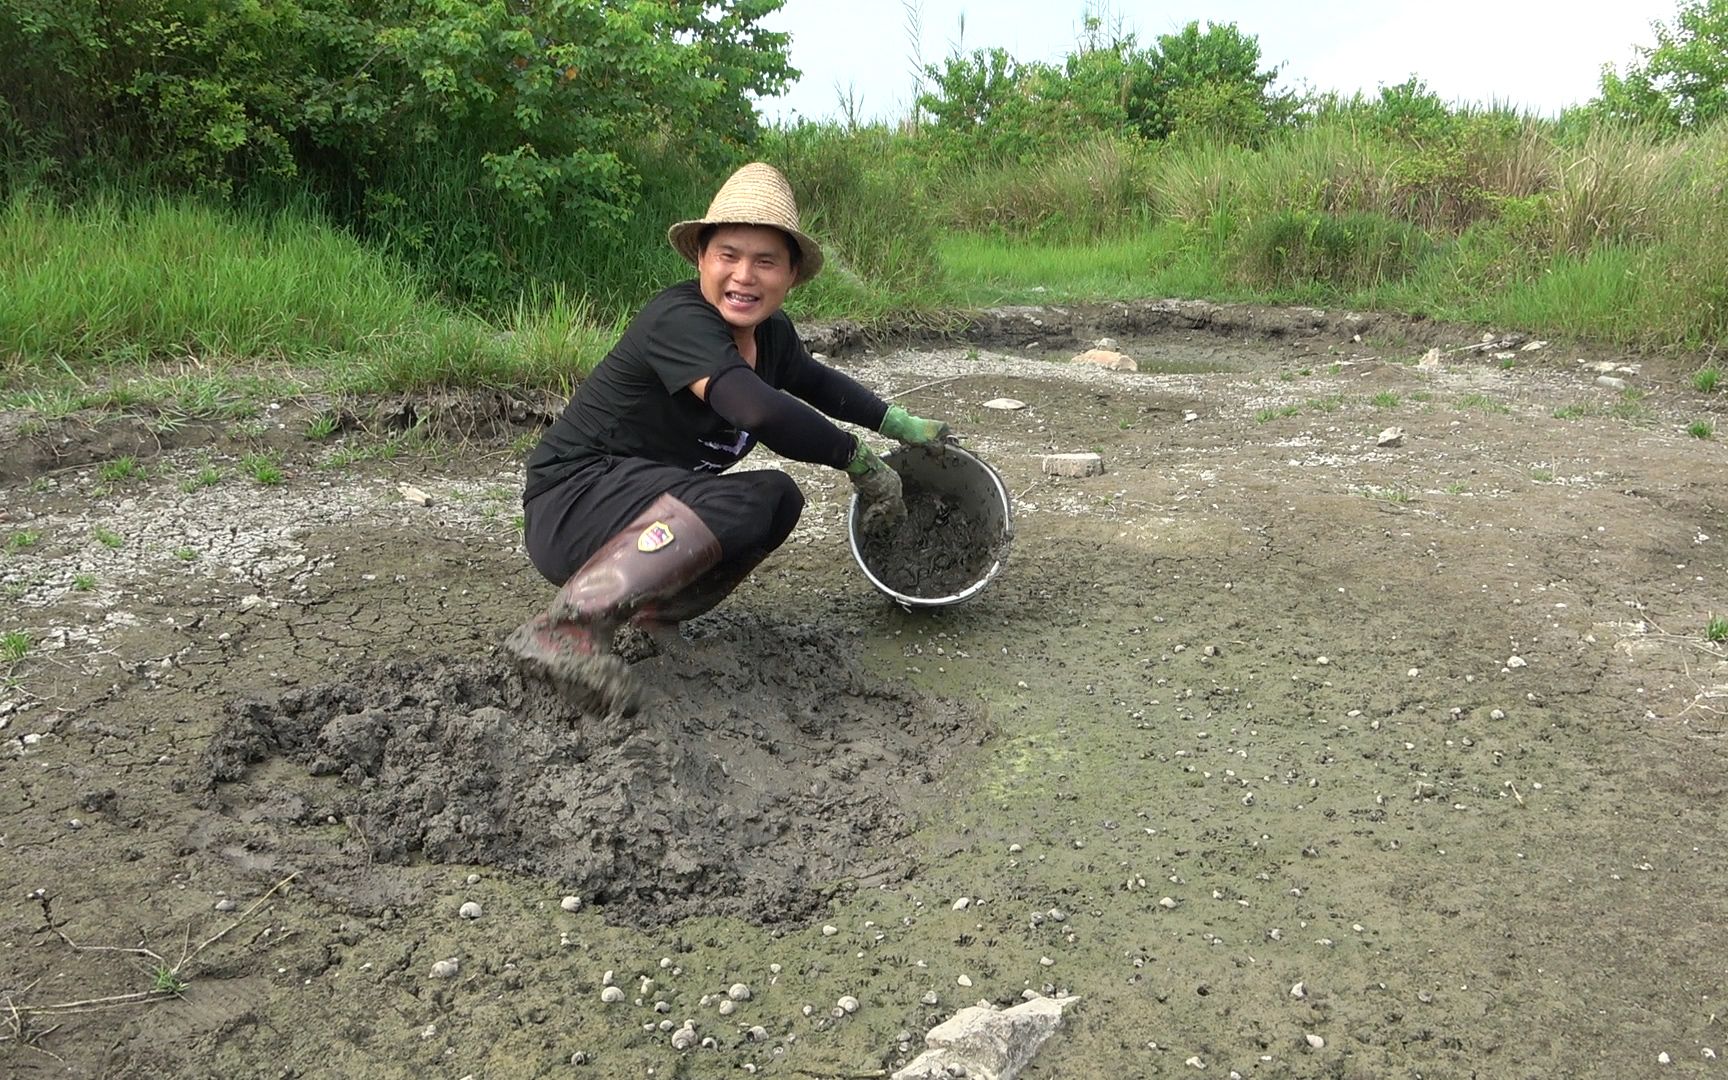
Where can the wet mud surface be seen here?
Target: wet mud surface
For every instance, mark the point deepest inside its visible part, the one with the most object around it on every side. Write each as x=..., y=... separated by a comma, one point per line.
x=939, y=549
x=743, y=790
x=1293, y=751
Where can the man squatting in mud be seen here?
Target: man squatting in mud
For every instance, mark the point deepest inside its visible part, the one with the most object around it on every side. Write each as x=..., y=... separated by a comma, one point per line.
x=625, y=505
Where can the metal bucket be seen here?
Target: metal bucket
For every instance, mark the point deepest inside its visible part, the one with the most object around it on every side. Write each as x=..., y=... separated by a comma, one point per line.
x=951, y=471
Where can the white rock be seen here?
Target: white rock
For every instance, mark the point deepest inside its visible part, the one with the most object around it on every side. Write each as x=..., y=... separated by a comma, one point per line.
x=412, y=494
x=1073, y=465
x=1107, y=359
x=1105, y=343
x=984, y=1041
x=1532, y=346
x=1516, y=662
x=1195, y=1062
x=963, y=903
x=1611, y=382
x=830, y=931
x=1190, y=416
x=964, y=980
x=570, y=903
x=848, y=1004
x=1664, y=1059
x=684, y=1038
x=1392, y=436
x=1168, y=903
x=226, y=904
x=612, y=995
x=728, y=1007
x=757, y=1033
x=1005, y=404
x=1430, y=359
x=446, y=969
x=1315, y=1041
x=1300, y=990
x=470, y=910
x=738, y=992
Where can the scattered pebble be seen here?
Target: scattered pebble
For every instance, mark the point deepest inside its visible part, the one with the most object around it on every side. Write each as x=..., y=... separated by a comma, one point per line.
x=1300, y=990
x=1005, y=404
x=1168, y=903
x=848, y=1004
x=728, y=1007
x=226, y=904
x=1664, y=1059
x=1315, y=1041
x=1517, y=662
x=964, y=980
x=830, y=931
x=738, y=992
x=570, y=903
x=757, y=1033
x=473, y=879
x=684, y=1038
x=963, y=903
x=930, y=998
x=1015, y=849
x=470, y=910
x=612, y=995
x=446, y=969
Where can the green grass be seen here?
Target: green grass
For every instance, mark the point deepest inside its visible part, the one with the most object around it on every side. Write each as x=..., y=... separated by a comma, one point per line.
x=1571, y=412
x=1701, y=429
x=1630, y=406
x=207, y=476
x=263, y=468
x=1457, y=487
x=1717, y=629
x=322, y=426
x=83, y=582
x=1542, y=476
x=108, y=538
x=23, y=540
x=165, y=980
x=14, y=646
x=1395, y=495
x=120, y=469
x=1385, y=400
x=186, y=554
x=1706, y=379
x=1329, y=404
x=1482, y=403
x=987, y=270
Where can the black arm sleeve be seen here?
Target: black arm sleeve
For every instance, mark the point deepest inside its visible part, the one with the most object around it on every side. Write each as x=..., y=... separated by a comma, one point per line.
x=838, y=395
x=786, y=426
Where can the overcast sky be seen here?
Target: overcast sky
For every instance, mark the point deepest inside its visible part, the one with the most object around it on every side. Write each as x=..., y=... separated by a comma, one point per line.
x=1541, y=55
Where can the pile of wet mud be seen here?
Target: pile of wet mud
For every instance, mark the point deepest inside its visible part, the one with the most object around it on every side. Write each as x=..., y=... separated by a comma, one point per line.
x=939, y=549
x=762, y=769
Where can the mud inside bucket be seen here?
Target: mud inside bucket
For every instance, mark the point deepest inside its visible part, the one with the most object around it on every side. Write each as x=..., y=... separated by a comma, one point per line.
x=958, y=527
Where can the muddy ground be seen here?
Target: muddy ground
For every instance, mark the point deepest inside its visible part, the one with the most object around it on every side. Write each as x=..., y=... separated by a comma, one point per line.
x=1268, y=732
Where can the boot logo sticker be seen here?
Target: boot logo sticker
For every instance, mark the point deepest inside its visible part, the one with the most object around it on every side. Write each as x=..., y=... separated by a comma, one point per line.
x=654, y=537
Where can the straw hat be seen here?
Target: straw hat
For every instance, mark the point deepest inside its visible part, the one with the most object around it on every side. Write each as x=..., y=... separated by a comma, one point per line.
x=755, y=195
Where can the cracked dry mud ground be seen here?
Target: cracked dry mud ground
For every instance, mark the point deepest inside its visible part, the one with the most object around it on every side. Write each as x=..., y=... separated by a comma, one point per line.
x=1254, y=717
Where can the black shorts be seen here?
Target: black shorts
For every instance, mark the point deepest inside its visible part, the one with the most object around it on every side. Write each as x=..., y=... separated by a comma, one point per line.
x=750, y=513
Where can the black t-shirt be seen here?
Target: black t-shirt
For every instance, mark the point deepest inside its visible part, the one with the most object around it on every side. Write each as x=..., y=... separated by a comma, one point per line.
x=637, y=402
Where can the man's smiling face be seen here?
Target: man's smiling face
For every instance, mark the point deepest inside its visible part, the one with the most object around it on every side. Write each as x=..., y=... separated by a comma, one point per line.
x=745, y=271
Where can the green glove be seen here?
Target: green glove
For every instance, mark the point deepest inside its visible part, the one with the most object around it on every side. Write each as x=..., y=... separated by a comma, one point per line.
x=904, y=427
x=878, y=486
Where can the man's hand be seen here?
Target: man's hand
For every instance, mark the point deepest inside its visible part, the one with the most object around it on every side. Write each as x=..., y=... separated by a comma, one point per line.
x=904, y=427
x=880, y=503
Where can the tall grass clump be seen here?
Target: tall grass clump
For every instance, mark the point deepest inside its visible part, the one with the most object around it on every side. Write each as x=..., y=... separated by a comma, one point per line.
x=117, y=280
x=1091, y=191
x=859, y=193
x=1291, y=249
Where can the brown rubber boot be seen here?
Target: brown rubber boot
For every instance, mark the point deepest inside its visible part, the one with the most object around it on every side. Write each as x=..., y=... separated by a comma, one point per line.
x=660, y=553
x=659, y=620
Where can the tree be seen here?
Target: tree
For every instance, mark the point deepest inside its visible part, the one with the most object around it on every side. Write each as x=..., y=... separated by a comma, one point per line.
x=1681, y=82
x=1198, y=68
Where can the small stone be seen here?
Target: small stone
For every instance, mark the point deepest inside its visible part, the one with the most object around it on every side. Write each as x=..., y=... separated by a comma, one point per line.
x=728, y=1007
x=1195, y=1062
x=964, y=980
x=1005, y=404
x=1430, y=359
x=1045, y=961
x=1517, y=662
x=1392, y=436
x=1190, y=417
x=429, y=1031
x=412, y=494
x=684, y=1038
x=1107, y=359
x=226, y=904
x=1315, y=1042
x=773, y=969
x=757, y=1033
x=570, y=903
x=963, y=903
x=930, y=998
x=470, y=910
x=473, y=879
x=578, y=1058
x=1664, y=1059
x=612, y=995
x=1076, y=466
x=830, y=931
x=738, y=992
x=848, y=1004
x=1015, y=849
x=1497, y=714
x=1168, y=903
x=446, y=969
x=1611, y=382
x=1300, y=990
